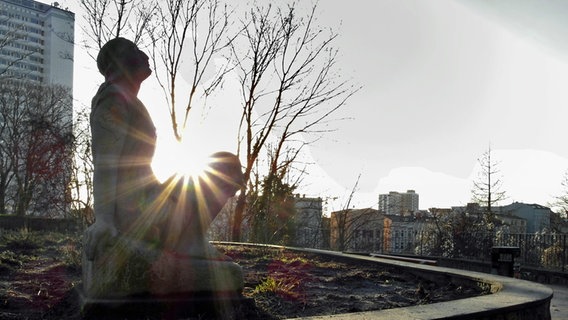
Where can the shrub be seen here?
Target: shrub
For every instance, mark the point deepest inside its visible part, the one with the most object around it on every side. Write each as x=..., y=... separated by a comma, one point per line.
x=72, y=256
x=22, y=239
x=9, y=260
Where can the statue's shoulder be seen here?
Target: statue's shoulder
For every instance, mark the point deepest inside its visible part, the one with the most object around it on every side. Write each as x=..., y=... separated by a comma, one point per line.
x=110, y=106
x=110, y=95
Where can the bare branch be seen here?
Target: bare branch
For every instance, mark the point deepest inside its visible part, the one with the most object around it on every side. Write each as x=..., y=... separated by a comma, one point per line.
x=289, y=85
x=203, y=27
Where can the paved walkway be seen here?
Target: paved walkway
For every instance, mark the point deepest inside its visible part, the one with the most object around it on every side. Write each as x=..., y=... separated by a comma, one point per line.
x=559, y=303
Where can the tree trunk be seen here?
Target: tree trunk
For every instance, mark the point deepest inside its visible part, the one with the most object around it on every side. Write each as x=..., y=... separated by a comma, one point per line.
x=238, y=216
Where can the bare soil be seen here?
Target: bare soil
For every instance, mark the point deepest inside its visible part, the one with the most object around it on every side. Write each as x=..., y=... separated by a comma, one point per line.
x=311, y=284
x=36, y=284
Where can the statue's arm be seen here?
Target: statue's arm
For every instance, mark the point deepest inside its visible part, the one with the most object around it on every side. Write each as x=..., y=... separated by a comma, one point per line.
x=109, y=127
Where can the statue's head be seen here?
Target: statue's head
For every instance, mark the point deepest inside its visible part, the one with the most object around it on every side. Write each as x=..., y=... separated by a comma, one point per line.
x=120, y=57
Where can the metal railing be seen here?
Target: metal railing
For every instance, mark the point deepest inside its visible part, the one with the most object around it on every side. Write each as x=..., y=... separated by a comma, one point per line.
x=545, y=251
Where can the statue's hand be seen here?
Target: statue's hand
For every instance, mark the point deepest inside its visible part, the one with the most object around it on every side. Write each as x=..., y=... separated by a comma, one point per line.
x=229, y=176
x=98, y=237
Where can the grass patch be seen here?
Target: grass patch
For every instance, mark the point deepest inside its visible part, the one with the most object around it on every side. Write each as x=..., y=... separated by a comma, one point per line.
x=20, y=246
x=293, y=260
x=285, y=287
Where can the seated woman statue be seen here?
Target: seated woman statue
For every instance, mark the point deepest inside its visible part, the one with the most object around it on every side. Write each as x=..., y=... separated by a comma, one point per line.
x=135, y=212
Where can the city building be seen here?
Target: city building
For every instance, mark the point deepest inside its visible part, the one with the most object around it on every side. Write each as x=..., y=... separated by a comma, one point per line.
x=37, y=42
x=308, y=222
x=537, y=216
x=400, y=233
x=358, y=230
x=36, y=62
x=511, y=224
x=399, y=203
x=514, y=218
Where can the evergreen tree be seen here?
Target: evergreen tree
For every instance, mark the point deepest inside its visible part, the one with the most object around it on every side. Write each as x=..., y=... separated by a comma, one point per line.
x=273, y=210
x=486, y=189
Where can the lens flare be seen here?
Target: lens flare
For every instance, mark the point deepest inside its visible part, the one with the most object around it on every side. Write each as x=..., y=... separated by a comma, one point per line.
x=193, y=165
x=180, y=159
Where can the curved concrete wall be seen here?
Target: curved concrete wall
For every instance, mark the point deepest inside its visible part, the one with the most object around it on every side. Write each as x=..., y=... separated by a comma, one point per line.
x=510, y=298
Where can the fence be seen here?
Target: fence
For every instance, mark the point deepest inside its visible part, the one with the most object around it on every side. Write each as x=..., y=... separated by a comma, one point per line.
x=545, y=251
x=37, y=223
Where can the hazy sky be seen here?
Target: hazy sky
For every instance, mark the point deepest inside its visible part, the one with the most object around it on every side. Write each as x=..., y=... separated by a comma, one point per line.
x=441, y=81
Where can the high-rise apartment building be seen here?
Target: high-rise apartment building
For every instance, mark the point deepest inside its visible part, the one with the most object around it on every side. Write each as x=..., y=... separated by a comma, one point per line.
x=399, y=203
x=36, y=82
x=36, y=42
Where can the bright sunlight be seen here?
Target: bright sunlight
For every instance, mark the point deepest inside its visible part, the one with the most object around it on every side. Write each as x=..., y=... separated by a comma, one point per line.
x=184, y=158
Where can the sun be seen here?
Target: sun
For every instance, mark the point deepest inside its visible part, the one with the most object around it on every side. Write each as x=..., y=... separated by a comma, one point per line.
x=192, y=164
x=185, y=159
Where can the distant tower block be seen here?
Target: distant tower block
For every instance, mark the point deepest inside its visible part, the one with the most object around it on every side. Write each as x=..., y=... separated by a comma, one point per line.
x=399, y=203
x=39, y=46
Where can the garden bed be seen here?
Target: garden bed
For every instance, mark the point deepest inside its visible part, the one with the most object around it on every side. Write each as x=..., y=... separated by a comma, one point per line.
x=287, y=284
x=38, y=274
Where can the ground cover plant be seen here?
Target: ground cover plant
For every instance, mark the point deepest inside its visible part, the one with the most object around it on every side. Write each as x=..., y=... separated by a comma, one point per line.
x=39, y=271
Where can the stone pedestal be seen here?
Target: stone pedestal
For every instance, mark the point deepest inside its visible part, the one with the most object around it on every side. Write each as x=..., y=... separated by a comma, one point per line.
x=172, y=274
x=134, y=275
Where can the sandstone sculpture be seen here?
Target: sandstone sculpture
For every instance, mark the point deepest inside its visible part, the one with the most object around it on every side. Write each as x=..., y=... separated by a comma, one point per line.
x=149, y=237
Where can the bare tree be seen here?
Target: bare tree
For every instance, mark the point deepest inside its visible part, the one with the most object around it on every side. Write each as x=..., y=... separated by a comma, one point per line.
x=486, y=189
x=36, y=139
x=177, y=33
x=289, y=85
x=284, y=61
x=355, y=229
x=81, y=172
x=341, y=222
x=108, y=19
x=435, y=238
x=6, y=160
x=348, y=227
x=196, y=29
x=560, y=202
x=457, y=233
x=35, y=128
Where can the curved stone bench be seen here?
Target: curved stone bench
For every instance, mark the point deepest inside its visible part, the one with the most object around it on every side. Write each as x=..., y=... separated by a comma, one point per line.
x=510, y=298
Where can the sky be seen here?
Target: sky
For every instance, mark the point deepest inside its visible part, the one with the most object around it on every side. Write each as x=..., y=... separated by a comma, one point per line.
x=441, y=82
